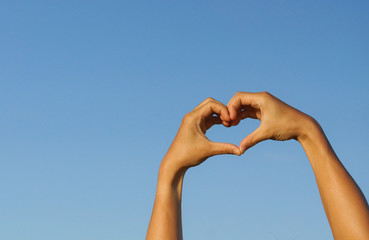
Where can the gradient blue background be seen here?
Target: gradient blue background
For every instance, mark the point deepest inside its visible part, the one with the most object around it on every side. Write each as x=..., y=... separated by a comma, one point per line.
x=92, y=94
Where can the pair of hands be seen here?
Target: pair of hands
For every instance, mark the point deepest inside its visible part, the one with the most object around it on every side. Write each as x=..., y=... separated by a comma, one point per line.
x=344, y=203
x=278, y=121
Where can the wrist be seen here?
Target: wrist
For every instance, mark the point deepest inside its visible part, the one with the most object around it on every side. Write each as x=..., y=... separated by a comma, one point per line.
x=169, y=174
x=315, y=143
x=310, y=131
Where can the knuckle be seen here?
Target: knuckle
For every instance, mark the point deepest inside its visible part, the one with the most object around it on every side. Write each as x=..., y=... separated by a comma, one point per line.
x=189, y=117
x=265, y=94
x=212, y=103
x=209, y=99
x=264, y=97
x=238, y=94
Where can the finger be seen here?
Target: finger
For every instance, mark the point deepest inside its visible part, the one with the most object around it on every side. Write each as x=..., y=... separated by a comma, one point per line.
x=245, y=112
x=224, y=148
x=235, y=122
x=223, y=113
x=249, y=112
x=211, y=121
x=225, y=116
x=214, y=107
x=226, y=124
x=209, y=99
x=252, y=139
x=239, y=100
x=217, y=120
x=203, y=103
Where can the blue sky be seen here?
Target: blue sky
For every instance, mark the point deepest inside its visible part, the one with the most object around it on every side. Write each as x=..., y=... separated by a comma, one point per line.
x=92, y=94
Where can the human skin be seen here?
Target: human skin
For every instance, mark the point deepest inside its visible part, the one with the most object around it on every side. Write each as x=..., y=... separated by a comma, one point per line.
x=189, y=148
x=345, y=205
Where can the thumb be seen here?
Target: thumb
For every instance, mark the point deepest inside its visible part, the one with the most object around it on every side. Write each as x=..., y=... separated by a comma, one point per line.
x=224, y=148
x=252, y=139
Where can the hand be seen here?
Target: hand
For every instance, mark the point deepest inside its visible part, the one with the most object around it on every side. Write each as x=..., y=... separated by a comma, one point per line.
x=191, y=147
x=278, y=121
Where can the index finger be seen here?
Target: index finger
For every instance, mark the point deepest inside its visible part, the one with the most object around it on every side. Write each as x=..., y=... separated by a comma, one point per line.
x=211, y=107
x=242, y=99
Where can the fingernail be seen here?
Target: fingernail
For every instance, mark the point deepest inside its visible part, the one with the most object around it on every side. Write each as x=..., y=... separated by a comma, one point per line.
x=242, y=150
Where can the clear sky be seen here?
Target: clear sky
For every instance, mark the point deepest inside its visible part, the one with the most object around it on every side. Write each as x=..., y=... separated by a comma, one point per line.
x=93, y=92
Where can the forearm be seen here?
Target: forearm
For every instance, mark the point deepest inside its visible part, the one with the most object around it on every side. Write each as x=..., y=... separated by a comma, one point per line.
x=166, y=219
x=189, y=148
x=345, y=205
